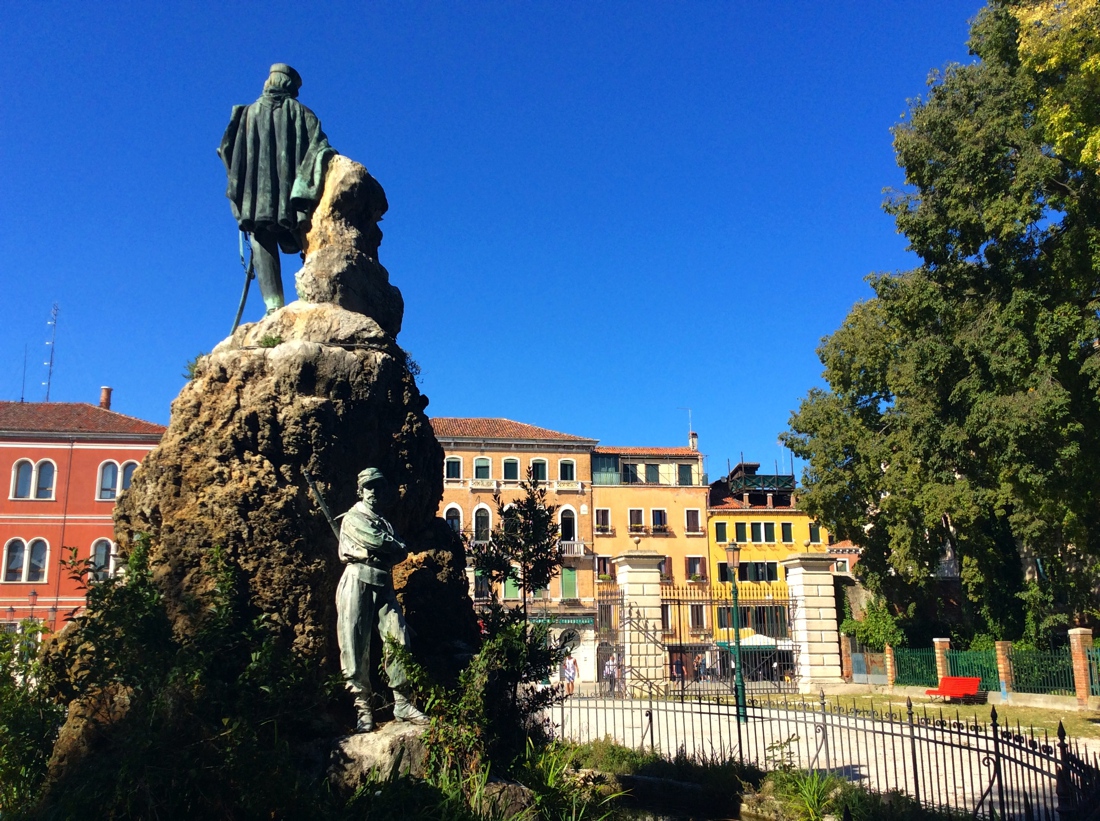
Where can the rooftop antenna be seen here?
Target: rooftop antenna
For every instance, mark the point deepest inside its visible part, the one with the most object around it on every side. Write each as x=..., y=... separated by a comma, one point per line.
x=23, y=387
x=53, y=339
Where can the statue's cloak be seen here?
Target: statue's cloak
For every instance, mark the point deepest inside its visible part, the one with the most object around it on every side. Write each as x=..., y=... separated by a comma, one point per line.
x=275, y=155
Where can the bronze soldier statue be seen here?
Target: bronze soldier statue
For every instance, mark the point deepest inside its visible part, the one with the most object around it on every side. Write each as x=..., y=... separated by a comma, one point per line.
x=366, y=601
x=275, y=155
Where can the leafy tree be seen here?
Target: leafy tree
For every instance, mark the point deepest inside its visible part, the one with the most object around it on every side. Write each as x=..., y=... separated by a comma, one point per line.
x=501, y=703
x=1059, y=45
x=962, y=403
x=876, y=629
x=29, y=720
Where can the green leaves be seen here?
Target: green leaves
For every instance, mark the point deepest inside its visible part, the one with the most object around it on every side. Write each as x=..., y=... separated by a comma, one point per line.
x=962, y=406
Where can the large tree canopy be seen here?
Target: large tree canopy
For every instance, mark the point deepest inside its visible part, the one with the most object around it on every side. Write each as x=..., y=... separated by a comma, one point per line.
x=962, y=404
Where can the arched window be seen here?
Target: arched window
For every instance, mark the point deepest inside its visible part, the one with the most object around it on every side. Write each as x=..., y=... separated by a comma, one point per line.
x=36, y=564
x=567, y=470
x=128, y=474
x=568, y=527
x=481, y=525
x=21, y=479
x=511, y=470
x=43, y=486
x=538, y=469
x=25, y=563
x=453, y=517
x=103, y=559
x=482, y=467
x=108, y=481
x=15, y=554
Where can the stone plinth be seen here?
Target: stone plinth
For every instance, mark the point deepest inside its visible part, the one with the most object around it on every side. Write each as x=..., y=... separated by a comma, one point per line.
x=810, y=582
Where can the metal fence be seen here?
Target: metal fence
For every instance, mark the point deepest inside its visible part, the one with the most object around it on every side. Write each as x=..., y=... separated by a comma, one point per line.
x=1093, y=655
x=869, y=668
x=1039, y=671
x=915, y=668
x=944, y=760
x=976, y=664
x=692, y=651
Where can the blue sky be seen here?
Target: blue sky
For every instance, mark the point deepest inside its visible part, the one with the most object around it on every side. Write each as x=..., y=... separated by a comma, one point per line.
x=601, y=214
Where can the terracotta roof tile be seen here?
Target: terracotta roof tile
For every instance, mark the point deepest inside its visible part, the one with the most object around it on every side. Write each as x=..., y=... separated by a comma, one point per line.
x=494, y=428
x=647, y=451
x=70, y=417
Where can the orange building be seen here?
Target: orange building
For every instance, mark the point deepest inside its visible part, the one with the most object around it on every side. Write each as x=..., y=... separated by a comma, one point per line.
x=488, y=455
x=67, y=462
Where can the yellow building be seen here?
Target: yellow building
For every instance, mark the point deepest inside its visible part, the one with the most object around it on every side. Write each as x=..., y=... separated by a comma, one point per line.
x=759, y=512
x=653, y=499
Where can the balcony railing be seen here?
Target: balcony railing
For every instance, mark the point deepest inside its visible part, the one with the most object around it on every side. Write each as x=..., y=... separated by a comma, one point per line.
x=572, y=548
x=605, y=530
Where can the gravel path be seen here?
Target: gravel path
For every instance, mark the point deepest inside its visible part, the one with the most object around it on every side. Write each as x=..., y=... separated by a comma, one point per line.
x=940, y=762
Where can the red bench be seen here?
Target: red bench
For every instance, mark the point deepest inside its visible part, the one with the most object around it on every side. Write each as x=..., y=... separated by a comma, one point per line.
x=956, y=687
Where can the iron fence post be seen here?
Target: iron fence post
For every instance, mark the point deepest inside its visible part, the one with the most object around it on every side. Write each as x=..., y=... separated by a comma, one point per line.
x=997, y=761
x=1062, y=789
x=913, y=749
x=825, y=733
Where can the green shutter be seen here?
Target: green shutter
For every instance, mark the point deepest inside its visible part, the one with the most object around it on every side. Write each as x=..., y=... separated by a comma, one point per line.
x=739, y=531
x=569, y=582
x=719, y=531
x=511, y=589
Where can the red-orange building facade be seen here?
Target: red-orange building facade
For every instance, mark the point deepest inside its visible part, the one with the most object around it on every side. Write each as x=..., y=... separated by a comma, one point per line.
x=65, y=464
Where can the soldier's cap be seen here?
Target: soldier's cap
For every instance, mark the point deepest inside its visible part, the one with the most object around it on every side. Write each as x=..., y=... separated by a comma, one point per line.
x=370, y=476
x=283, y=68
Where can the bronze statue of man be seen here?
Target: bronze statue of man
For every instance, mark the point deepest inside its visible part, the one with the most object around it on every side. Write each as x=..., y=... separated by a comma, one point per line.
x=366, y=601
x=275, y=155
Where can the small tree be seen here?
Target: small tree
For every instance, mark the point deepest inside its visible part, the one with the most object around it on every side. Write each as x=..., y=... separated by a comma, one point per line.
x=523, y=547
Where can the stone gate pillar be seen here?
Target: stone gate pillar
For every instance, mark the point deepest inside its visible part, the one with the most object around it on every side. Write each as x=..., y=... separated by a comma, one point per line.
x=810, y=582
x=644, y=664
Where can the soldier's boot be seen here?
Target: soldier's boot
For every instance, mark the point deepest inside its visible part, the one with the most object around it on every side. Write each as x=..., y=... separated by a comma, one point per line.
x=403, y=710
x=365, y=724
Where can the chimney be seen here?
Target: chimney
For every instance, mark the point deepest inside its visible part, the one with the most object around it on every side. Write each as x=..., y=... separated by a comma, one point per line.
x=105, y=398
x=693, y=440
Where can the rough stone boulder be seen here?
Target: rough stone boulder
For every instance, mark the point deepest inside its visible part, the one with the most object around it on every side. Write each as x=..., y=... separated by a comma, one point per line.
x=317, y=388
x=341, y=248
x=393, y=749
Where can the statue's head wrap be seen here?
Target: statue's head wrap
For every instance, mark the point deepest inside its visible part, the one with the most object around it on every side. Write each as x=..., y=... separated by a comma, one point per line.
x=370, y=476
x=283, y=78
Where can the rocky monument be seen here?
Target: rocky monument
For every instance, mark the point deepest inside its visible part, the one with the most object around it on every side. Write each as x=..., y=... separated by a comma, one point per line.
x=318, y=387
